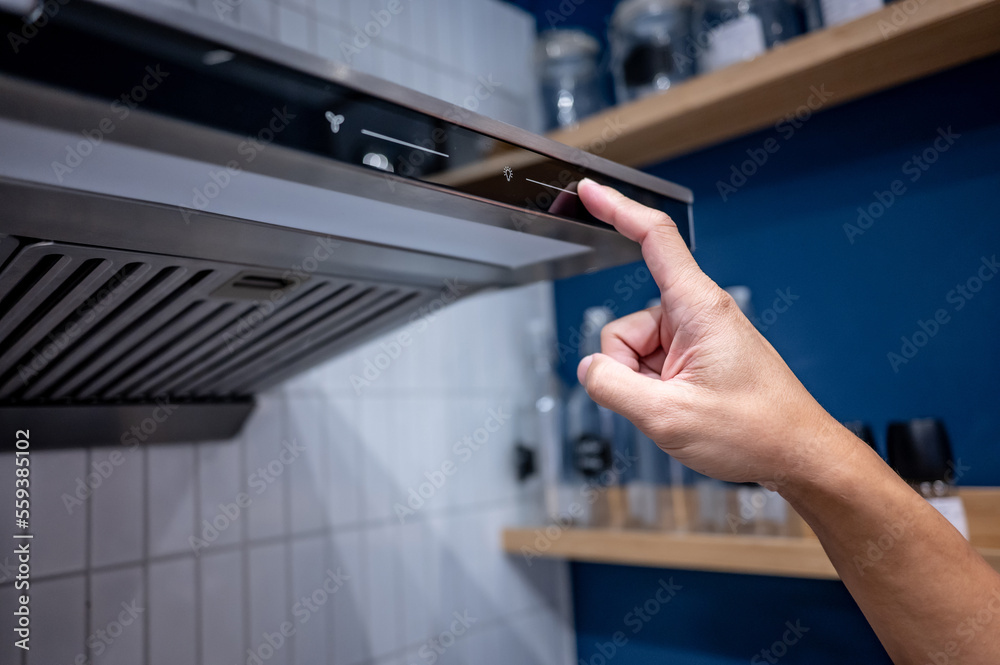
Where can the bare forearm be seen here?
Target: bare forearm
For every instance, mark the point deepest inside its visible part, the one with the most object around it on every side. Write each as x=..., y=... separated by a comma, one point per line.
x=927, y=593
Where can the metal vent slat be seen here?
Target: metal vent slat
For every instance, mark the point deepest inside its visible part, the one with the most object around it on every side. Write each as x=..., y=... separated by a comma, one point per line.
x=175, y=327
x=45, y=328
x=117, y=326
x=327, y=313
x=248, y=334
x=27, y=286
x=258, y=375
x=191, y=330
x=193, y=349
x=106, y=335
x=80, y=327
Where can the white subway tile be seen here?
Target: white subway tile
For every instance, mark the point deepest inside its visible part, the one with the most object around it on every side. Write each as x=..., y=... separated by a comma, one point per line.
x=330, y=41
x=221, y=481
x=218, y=10
x=223, y=606
x=415, y=595
x=172, y=599
x=383, y=584
x=59, y=512
x=348, y=627
x=293, y=28
x=265, y=436
x=116, y=517
x=171, y=488
x=379, y=454
x=117, y=606
x=256, y=16
x=397, y=68
x=306, y=474
x=311, y=599
x=59, y=633
x=342, y=478
x=331, y=11
x=423, y=29
x=270, y=614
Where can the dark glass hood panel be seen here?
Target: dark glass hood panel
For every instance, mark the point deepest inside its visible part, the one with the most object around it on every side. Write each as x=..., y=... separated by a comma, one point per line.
x=130, y=62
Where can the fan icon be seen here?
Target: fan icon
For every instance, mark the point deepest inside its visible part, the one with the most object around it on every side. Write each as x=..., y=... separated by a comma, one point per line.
x=508, y=173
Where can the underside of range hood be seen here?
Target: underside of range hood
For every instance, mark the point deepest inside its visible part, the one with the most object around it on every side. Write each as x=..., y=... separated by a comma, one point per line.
x=220, y=237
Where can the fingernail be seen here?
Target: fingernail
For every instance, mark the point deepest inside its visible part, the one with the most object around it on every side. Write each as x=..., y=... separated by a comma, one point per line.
x=581, y=369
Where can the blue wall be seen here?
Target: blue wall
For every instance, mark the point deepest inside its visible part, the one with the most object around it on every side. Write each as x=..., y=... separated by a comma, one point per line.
x=715, y=619
x=784, y=229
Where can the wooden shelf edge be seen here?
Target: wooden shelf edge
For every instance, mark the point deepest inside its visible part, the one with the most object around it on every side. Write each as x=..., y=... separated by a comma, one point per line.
x=870, y=54
x=756, y=555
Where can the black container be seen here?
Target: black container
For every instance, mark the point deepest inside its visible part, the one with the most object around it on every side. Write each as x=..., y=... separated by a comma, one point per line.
x=919, y=450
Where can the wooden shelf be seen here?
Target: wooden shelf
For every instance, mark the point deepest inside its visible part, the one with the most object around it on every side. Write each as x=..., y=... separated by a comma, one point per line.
x=757, y=555
x=761, y=555
x=859, y=58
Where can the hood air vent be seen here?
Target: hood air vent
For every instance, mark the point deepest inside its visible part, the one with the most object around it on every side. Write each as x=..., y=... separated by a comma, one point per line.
x=94, y=327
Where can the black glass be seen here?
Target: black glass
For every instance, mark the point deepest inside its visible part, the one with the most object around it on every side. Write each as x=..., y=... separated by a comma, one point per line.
x=102, y=53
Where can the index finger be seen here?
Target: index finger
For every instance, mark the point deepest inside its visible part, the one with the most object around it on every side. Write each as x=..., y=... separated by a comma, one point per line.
x=663, y=249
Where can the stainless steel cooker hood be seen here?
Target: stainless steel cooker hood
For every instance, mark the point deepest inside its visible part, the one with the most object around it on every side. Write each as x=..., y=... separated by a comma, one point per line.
x=190, y=214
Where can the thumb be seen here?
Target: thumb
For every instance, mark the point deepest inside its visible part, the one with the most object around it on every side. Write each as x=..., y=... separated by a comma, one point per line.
x=621, y=389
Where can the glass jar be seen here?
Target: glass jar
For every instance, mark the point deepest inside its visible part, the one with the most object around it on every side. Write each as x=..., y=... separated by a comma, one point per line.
x=569, y=73
x=730, y=31
x=647, y=40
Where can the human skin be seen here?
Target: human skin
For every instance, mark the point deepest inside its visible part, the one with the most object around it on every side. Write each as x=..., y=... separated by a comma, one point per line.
x=697, y=378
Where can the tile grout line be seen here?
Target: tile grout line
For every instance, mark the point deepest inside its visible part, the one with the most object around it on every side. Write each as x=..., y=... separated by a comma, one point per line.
x=287, y=535
x=327, y=530
x=146, y=619
x=244, y=547
x=87, y=563
x=198, y=583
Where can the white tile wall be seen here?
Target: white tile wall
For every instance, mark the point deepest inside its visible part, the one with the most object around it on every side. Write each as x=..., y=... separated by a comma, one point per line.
x=325, y=506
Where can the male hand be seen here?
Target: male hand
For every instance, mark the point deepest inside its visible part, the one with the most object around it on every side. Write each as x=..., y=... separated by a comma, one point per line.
x=694, y=374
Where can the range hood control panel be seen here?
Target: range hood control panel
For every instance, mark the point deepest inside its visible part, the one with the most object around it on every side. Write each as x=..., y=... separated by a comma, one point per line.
x=132, y=62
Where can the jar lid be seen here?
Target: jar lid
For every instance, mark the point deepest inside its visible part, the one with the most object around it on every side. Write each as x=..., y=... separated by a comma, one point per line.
x=630, y=11
x=565, y=43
